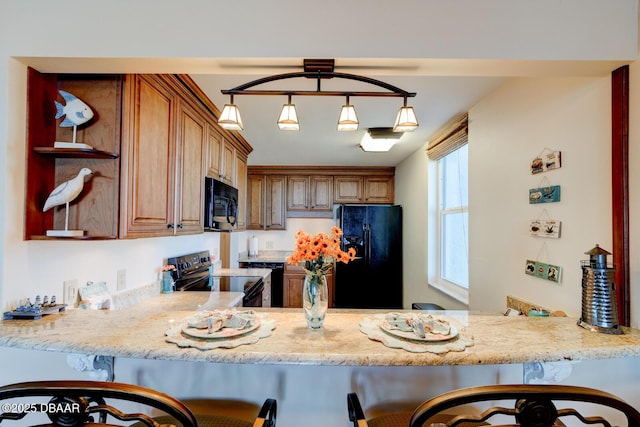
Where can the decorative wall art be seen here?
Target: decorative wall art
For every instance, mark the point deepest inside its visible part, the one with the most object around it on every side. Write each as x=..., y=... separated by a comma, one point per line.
x=545, y=228
x=545, y=193
x=548, y=159
x=550, y=194
x=543, y=271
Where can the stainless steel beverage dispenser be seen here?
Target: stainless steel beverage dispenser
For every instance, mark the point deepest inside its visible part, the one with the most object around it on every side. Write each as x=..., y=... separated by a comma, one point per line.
x=599, y=304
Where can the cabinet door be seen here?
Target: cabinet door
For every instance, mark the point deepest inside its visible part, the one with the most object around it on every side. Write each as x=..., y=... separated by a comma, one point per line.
x=256, y=193
x=297, y=193
x=275, y=202
x=379, y=189
x=227, y=163
x=321, y=190
x=148, y=158
x=348, y=189
x=241, y=184
x=214, y=148
x=190, y=144
x=292, y=290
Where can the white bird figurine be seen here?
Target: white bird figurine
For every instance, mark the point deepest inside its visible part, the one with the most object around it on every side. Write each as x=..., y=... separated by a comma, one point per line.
x=67, y=191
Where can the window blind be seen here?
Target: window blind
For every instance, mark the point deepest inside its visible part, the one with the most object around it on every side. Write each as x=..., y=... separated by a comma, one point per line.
x=451, y=137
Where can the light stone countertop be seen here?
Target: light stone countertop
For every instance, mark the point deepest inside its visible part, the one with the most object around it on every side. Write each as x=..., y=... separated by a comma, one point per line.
x=275, y=256
x=138, y=332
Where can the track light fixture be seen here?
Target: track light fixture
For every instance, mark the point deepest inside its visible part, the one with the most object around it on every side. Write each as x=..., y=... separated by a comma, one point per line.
x=288, y=119
x=406, y=120
x=348, y=120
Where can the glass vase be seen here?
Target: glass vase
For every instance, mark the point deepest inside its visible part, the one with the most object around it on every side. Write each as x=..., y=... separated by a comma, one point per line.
x=167, y=282
x=315, y=299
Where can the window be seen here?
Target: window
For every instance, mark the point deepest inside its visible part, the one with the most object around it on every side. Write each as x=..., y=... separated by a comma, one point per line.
x=453, y=217
x=449, y=212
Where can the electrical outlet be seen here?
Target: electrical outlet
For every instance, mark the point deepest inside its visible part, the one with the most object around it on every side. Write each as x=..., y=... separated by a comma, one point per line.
x=269, y=244
x=70, y=292
x=122, y=279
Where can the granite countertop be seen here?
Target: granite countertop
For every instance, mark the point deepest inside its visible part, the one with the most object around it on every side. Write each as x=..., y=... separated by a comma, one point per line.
x=244, y=272
x=274, y=256
x=496, y=339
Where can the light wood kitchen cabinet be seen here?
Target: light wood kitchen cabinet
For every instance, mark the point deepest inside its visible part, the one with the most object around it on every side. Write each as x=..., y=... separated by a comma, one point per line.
x=154, y=138
x=309, y=196
x=241, y=185
x=364, y=189
x=221, y=163
x=266, y=195
x=163, y=152
x=379, y=189
x=293, y=281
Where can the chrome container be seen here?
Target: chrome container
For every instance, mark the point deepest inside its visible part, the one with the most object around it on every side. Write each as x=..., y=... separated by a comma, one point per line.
x=599, y=304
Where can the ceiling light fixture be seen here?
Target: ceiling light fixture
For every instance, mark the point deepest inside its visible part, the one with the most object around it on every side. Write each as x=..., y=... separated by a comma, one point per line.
x=288, y=119
x=230, y=117
x=406, y=120
x=319, y=69
x=348, y=120
x=379, y=139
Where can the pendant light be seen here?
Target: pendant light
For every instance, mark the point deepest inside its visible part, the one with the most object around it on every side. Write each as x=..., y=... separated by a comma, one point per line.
x=406, y=121
x=288, y=117
x=230, y=117
x=348, y=120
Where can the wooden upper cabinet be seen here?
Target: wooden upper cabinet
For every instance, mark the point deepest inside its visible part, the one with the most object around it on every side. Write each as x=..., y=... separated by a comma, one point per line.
x=348, y=189
x=228, y=163
x=297, y=193
x=266, y=196
x=309, y=196
x=364, y=189
x=241, y=184
x=148, y=158
x=214, y=148
x=378, y=189
x=191, y=146
x=165, y=144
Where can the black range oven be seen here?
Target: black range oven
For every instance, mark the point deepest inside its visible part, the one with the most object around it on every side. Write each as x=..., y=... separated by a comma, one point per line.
x=192, y=274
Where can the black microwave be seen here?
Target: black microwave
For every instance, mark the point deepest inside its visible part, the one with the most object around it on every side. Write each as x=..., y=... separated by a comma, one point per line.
x=220, y=205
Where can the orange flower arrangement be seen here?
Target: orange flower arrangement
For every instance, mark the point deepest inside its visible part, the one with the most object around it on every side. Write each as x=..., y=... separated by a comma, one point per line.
x=318, y=253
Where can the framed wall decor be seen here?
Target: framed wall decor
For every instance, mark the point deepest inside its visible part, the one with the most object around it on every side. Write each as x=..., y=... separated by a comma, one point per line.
x=545, y=228
x=550, y=194
x=543, y=271
x=548, y=159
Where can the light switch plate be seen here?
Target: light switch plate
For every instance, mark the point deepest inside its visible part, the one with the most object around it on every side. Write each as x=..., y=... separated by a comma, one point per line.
x=122, y=279
x=70, y=292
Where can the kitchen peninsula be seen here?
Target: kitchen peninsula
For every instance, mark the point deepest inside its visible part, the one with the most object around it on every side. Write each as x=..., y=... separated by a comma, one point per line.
x=495, y=339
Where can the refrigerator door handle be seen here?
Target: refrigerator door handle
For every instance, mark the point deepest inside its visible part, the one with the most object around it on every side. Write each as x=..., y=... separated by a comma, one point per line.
x=367, y=243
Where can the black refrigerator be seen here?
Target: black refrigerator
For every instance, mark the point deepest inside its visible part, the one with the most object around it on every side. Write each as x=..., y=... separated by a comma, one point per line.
x=374, y=278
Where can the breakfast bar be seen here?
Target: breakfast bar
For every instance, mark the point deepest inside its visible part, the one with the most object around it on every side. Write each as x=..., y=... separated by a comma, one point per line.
x=310, y=371
x=493, y=338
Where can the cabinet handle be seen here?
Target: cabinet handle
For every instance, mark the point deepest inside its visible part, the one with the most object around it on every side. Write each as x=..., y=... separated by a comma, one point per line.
x=169, y=226
x=180, y=226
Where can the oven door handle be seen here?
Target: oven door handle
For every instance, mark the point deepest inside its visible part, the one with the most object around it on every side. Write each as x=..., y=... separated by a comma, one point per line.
x=187, y=282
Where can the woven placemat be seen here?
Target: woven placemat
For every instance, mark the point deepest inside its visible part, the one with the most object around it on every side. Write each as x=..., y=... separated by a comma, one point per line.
x=176, y=336
x=370, y=326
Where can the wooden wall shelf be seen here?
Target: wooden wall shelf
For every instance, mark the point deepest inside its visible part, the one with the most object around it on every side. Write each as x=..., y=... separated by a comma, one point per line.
x=75, y=153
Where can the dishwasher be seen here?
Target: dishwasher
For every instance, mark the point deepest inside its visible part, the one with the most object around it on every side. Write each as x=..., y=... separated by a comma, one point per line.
x=277, y=278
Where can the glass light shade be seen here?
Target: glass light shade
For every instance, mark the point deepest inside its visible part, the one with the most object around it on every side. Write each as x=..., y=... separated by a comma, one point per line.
x=230, y=117
x=288, y=118
x=377, y=144
x=348, y=120
x=406, y=121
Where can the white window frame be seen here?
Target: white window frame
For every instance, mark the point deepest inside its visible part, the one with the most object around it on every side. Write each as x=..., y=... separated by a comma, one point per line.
x=434, y=230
